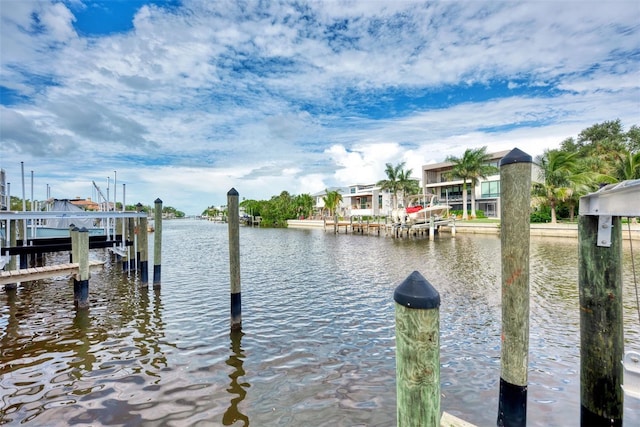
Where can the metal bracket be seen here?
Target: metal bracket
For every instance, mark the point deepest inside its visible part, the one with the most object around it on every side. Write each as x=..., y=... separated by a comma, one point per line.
x=621, y=199
x=604, y=231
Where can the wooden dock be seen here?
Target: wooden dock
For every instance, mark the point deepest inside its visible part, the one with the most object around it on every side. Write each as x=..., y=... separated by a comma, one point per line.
x=393, y=229
x=44, y=272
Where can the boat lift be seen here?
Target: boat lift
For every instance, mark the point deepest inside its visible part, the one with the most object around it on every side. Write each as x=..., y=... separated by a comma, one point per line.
x=617, y=200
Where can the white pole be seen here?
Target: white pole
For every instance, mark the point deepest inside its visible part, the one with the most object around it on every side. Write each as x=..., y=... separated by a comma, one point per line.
x=107, y=231
x=24, y=206
x=115, y=189
x=124, y=222
x=33, y=208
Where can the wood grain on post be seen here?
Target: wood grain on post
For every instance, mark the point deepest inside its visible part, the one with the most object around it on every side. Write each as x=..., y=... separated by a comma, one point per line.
x=417, y=352
x=234, y=258
x=515, y=198
x=601, y=328
x=157, y=243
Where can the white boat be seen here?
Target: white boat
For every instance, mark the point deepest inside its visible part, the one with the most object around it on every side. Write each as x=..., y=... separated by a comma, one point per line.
x=420, y=210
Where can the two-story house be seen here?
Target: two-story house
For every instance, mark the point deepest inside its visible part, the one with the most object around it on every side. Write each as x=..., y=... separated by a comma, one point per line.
x=436, y=180
x=358, y=200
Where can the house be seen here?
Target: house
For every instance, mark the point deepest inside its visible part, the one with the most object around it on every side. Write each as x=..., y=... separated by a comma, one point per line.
x=357, y=200
x=367, y=200
x=487, y=191
x=86, y=204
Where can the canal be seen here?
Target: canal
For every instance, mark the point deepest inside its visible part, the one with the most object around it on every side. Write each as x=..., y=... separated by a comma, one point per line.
x=317, y=345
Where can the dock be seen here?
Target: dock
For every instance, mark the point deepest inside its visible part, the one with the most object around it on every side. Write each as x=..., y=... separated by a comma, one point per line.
x=44, y=272
x=377, y=226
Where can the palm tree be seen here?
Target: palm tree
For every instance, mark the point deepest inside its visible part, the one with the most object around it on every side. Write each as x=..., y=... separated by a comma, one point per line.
x=406, y=184
x=304, y=204
x=392, y=183
x=463, y=169
x=627, y=166
x=479, y=168
x=331, y=200
x=556, y=170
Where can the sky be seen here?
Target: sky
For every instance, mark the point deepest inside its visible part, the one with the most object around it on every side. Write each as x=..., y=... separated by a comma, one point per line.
x=184, y=100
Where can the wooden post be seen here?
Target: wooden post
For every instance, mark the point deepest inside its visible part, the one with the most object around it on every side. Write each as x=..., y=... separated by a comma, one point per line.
x=143, y=247
x=131, y=236
x=157, y=243
x=515, y=195
x=601, y=329
x=234, y=259
x=23, y=235
x=417, y=352
x=138, y=235
x=12, y=225
x=81, y=281
x=13, y=239
x=453, y=228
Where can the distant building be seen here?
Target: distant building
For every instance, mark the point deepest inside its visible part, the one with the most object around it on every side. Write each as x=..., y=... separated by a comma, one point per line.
x=367, y=200
x=86, y=204
x=357, y=200
x=487, y=191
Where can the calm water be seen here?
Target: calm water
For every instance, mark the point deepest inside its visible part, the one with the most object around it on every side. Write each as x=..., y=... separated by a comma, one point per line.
x=317, y=347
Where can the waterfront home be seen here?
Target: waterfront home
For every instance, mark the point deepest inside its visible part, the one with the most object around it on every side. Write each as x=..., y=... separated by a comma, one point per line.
x=487, y=191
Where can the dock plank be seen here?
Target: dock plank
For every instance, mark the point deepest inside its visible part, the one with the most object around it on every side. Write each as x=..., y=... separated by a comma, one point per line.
x=37, y=273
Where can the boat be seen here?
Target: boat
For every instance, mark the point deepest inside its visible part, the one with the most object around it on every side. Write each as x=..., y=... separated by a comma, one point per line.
x=420, y=209
x=58, y=226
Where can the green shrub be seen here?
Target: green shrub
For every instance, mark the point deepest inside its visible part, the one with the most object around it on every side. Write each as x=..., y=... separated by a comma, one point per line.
x=541, y=214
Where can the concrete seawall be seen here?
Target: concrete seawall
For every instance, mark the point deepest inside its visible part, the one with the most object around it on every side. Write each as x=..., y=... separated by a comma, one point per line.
x=548, y=230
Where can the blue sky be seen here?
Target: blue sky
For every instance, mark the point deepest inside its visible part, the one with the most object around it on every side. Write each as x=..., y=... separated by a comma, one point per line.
x=187, y=99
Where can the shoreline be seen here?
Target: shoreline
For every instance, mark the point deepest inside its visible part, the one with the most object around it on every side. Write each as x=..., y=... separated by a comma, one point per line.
x=537, y=229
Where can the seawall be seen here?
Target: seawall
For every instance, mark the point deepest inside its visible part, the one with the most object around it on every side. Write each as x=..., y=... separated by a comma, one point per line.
x=548, y=230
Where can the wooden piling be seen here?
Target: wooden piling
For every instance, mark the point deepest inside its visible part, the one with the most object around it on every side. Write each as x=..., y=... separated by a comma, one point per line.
x=234, y=259
x=12, y=225
x=143, y=247
x=601, y=329
x=81, y=279
x=131, y=236
x=22, y=229
x=515, y=195
x=157, y=243
x=417, y=352
x=74, y=256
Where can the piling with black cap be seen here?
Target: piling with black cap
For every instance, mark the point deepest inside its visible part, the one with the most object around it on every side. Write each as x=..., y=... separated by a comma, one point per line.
x=515, y=198
x=417, y=352
x=143, y=247
x=157, y=243
x=233, y=220
x=131, y=250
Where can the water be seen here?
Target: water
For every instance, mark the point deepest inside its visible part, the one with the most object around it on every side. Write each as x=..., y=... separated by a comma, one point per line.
x=317, y=347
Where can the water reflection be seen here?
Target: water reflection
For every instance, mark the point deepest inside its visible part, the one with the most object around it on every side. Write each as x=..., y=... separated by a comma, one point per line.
x=318, y=347
x=237, y=388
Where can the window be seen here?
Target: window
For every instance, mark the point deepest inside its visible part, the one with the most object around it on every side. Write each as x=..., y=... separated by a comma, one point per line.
x=490, y=189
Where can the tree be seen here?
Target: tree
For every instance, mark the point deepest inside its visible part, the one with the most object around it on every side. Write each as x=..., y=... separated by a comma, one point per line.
x=627, y=166
x=304, y=205
x=331, y=200
x=406, y=184
x=555, y=169
x=479, y=168
x=392, y=183
x=463, y=169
